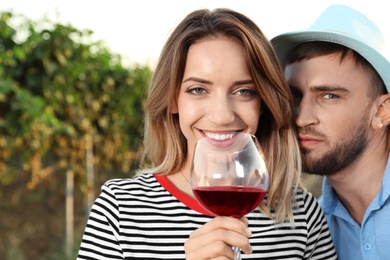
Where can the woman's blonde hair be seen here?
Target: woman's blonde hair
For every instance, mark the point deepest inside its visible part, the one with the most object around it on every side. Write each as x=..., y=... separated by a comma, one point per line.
x=165, y=147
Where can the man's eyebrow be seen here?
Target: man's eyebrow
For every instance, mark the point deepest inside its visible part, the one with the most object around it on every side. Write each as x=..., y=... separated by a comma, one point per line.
x=330, y=88
x=293, y=87
x=322, y=88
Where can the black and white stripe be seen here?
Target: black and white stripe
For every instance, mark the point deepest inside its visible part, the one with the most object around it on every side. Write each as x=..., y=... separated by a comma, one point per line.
x=139, y=219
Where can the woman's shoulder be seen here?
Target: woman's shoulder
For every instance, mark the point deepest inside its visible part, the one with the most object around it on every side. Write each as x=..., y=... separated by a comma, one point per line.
x=304, y=195
x=143, y=181
x=306, y=201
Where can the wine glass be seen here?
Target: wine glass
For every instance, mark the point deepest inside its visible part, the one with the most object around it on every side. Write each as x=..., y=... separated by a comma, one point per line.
x=228, y=175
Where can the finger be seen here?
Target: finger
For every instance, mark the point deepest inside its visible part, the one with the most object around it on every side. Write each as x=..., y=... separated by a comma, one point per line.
x=238, y=225
x=231, y=238
x=216, y=250
x=232, y=231
x=220, y=234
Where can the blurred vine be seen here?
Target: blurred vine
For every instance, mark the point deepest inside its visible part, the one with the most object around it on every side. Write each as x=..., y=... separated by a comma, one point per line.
x=57, y=87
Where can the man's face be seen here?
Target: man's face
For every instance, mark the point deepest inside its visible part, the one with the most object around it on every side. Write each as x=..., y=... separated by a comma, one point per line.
x=333, y=111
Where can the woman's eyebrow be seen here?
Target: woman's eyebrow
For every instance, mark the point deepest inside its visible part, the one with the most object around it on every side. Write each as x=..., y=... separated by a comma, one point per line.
x=197, y=80
x=243, y=82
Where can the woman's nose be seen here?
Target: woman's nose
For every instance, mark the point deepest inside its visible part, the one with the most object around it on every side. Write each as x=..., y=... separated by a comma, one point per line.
x=221, y=111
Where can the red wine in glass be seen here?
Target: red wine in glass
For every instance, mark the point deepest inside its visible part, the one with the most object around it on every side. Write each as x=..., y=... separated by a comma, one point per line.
x=228, y=175
x=234, y=201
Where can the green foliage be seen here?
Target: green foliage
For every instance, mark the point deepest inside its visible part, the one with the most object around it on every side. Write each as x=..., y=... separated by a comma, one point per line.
x=57, y=87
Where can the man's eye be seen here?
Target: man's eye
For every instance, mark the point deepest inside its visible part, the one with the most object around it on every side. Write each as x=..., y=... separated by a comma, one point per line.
x=330, y=96
x=297, y=96
x=295, y=93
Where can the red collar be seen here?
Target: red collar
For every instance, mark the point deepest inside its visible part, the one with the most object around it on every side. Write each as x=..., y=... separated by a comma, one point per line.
x=181, y=196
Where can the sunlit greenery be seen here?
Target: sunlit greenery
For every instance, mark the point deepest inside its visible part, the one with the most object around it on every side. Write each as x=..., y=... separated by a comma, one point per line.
x=58, y=87
x=54, y=89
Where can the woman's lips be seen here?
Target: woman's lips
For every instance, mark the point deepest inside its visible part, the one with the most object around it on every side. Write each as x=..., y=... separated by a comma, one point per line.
x=220, y=136
x=221, y=139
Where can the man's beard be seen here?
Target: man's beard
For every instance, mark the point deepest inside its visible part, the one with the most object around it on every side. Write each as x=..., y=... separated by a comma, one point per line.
x=342, y=155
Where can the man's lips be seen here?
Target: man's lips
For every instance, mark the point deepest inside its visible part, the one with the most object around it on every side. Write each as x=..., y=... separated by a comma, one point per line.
x=308, y=140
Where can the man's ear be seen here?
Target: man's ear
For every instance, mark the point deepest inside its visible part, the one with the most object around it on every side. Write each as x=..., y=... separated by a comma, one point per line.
x=382, y=115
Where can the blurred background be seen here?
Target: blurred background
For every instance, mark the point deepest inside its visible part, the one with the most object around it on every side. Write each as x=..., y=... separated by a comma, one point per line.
x=73, y=79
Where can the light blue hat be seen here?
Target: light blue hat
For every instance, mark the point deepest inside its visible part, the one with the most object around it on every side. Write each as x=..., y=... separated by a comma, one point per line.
x=346, y=26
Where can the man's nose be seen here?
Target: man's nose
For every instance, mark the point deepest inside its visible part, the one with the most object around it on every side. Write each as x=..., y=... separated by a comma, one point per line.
x=305, y=113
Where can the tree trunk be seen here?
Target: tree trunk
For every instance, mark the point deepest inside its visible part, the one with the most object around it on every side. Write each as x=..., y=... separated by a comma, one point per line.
x=69, y=214
x=90, y=173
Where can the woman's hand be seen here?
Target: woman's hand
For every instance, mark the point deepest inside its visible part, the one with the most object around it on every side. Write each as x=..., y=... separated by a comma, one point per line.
x=215, y=239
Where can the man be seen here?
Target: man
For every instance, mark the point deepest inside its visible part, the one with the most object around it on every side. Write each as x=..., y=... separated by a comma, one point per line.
x=340, y=78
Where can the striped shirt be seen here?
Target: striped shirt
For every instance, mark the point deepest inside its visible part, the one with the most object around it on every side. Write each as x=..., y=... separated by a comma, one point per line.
x=148, y=218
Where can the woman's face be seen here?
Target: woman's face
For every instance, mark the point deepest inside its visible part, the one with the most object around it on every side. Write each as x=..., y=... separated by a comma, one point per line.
x=218, y=95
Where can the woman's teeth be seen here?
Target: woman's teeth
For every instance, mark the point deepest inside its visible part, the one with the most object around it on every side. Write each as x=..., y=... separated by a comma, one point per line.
x=220, y=137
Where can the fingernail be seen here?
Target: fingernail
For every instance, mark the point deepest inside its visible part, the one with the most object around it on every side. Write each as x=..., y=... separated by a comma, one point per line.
x=248, y=232
x=250, y=248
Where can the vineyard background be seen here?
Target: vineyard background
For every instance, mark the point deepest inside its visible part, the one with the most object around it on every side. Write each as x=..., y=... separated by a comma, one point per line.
x=71, y=117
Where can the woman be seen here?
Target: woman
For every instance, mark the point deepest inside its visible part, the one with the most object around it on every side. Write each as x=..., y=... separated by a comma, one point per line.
x=217, y=75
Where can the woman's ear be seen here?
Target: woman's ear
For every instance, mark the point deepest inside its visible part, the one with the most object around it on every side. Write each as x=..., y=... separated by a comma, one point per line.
x=382, y=115
x=173, y=108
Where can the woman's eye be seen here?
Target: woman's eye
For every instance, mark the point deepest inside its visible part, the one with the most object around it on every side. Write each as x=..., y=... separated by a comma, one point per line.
x=196, y=91
x=246, y=92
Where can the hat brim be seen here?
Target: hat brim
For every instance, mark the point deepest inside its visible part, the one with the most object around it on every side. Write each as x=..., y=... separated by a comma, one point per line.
x=284, y=43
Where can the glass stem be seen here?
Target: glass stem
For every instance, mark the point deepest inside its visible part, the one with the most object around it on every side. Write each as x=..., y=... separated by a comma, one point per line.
x=237, y=253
